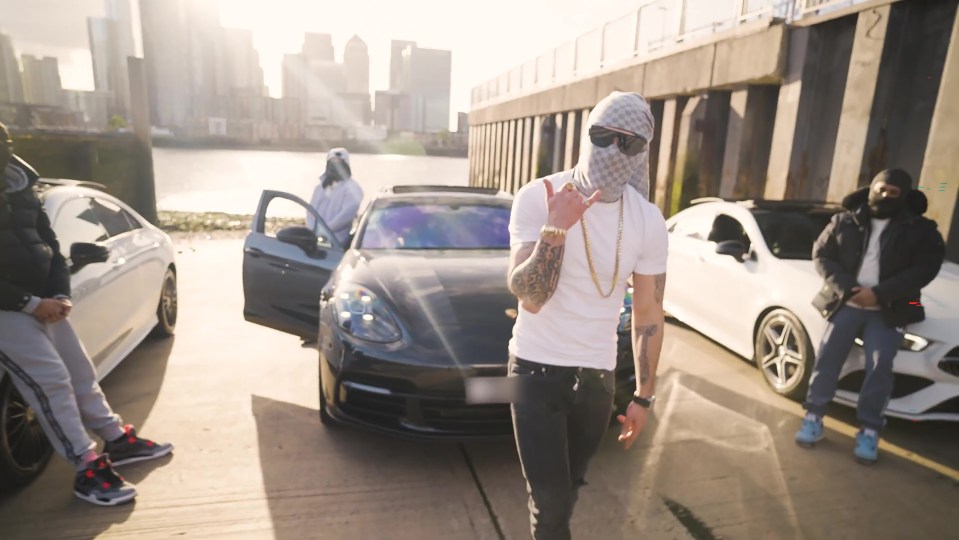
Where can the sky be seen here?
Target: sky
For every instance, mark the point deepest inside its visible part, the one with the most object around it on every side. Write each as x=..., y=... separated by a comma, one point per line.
x=486, y=38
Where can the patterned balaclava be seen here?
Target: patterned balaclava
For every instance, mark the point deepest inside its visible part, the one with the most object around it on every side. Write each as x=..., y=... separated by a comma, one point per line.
x=607, y=168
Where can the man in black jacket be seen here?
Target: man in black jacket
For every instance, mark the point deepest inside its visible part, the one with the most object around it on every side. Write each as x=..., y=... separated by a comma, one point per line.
x=40, y=351
x=875, y=258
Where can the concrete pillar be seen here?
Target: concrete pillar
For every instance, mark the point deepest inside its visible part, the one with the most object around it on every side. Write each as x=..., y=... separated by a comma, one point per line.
x=526, y=151
x=689, y=145
x=941, y=163
x=672, y=115
x=857, y=102
x=656, y=106
x=539, y=151
x=734, y=142
x=808, y=110
x=471, y=156
x=748, y=140
x=146, y=203
x=503, y=156
x=507, y=183
x=521, y=133
x=497, y=154
x=713, y=128
x=485, y=172
x=559, y=142
x=574, y=132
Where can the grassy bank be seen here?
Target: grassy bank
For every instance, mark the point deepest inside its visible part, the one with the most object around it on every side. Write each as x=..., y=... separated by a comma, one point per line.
x=205, y=222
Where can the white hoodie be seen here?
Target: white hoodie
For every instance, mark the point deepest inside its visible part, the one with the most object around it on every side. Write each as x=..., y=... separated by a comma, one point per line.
x=337, y=204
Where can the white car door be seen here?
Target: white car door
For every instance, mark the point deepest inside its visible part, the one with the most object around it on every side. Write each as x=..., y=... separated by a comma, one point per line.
x=733, y=284
x=687, y=241
x=143, y=264
x=92, y=315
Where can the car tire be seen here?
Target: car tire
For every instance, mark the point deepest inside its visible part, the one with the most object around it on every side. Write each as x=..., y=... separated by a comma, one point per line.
x=167, y=308
x=325, y=417
x=24, y=449
x=783, y=354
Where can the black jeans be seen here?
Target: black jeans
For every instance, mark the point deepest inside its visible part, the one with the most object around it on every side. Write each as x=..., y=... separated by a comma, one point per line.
x=559, y=421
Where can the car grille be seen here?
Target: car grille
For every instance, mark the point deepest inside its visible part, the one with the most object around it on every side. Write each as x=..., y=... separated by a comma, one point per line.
x=405, y=408
x=950, y=364
x=903, y=385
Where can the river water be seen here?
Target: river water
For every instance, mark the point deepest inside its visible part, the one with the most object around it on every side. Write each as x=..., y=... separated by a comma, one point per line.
x=231, y=180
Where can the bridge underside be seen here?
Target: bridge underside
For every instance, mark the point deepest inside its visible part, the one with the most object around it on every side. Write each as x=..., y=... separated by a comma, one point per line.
x=768, y=110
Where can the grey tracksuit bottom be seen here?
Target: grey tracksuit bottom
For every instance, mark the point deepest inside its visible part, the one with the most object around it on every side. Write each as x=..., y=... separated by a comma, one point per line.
x=53, y=373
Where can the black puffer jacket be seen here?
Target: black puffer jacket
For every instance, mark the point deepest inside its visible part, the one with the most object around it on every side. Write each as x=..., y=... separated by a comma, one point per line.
x=911, y=253
x=30, y=259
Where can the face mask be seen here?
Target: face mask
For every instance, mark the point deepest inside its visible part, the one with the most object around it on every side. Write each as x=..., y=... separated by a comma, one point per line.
x=336, y=170
x=884, y=208
x=608, y=168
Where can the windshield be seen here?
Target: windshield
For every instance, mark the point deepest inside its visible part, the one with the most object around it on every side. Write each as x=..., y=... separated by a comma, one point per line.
x=406, y=225
x=790, y=234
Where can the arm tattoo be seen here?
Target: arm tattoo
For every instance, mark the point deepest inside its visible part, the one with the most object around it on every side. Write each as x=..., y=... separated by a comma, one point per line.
x=535, y=280
x=645, y=333
x=660, y=288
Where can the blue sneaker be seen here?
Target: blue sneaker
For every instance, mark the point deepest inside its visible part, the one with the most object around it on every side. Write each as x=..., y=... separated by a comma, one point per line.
x=810, y=433
x=867, y=448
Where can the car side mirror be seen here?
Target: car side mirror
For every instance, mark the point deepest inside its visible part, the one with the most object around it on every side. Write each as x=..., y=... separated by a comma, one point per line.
x=302, y=237
x=82, y=254
x=733, y=248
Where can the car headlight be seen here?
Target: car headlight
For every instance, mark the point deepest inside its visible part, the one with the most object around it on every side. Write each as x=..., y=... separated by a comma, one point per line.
x=626, y=312
x=910, y=342
x=360, y=313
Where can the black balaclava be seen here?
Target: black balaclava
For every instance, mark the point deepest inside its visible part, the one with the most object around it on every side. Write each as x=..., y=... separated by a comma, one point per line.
x=337, y=167
x=883, y=208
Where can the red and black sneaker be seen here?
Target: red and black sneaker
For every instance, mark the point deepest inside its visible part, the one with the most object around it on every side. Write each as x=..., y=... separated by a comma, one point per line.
x=130, y=449
x=99, y=484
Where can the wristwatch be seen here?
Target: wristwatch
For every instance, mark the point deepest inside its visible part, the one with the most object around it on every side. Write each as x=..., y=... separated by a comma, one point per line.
x=645, y=403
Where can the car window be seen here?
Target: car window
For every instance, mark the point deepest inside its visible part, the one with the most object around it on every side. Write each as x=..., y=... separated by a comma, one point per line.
x=111, y=216
x=790, y=234
x=694, y=225
x=727, y=228
x=406, y=225
x=77, y=222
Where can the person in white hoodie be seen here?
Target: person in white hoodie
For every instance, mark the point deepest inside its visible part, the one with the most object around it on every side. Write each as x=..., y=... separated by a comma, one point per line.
x=337, y=196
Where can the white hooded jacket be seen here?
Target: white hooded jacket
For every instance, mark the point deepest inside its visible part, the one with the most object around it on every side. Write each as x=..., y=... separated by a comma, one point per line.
x=338, y=203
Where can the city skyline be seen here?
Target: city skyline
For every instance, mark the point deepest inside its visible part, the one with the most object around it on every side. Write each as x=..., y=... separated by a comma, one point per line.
x=482, y=46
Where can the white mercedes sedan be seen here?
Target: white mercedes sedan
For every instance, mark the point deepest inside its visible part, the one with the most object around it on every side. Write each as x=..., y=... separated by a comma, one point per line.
x=741, y=273
x=124, y=288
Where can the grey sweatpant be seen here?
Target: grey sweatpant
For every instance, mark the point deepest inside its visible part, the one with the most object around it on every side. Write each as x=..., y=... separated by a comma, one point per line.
x=52, y=371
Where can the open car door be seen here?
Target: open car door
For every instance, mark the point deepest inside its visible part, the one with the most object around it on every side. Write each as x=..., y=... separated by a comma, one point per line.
x=286, y=265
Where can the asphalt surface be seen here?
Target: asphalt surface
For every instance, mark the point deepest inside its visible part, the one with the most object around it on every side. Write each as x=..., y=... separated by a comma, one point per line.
x=253, y=461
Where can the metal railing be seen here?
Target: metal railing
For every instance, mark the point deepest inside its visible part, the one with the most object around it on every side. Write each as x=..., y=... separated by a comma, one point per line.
x=653, y=28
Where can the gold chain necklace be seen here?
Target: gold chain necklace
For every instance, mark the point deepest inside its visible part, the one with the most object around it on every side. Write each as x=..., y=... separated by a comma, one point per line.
x=619, y=247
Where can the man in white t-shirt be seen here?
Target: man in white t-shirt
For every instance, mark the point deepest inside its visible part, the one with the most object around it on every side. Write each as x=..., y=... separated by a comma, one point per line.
x=576, y=237
x=875, y=259
x=337, y=196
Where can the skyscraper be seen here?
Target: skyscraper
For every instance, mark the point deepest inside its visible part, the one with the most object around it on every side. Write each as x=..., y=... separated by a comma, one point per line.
x=11, y=82
x=121, y=12
x=294, y=76
x=356, y=59
x=109, y=65
x=242, y=62
x=426, y=77
x=165, y=52
x=396, y=63
x=41, y=80
x=318, y=47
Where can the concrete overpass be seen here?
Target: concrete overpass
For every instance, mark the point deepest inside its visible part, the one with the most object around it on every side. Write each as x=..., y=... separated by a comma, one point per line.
x=804, y=99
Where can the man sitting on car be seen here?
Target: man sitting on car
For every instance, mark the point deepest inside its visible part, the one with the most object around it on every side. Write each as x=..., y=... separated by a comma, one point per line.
x=875, y=257
x=41, y=352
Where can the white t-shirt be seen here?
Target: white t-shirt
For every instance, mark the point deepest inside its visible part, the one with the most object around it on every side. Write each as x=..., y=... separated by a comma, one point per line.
x=868, y=276
x=577, y=326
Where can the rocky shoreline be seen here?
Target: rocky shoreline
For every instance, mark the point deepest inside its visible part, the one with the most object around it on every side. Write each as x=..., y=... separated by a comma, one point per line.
x=222, y=224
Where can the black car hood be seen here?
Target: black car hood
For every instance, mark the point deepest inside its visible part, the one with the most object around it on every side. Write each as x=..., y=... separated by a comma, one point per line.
x=454, y=306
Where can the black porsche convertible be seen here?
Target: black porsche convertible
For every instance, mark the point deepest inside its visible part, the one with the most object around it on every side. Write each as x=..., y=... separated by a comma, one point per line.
x=404, y=311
